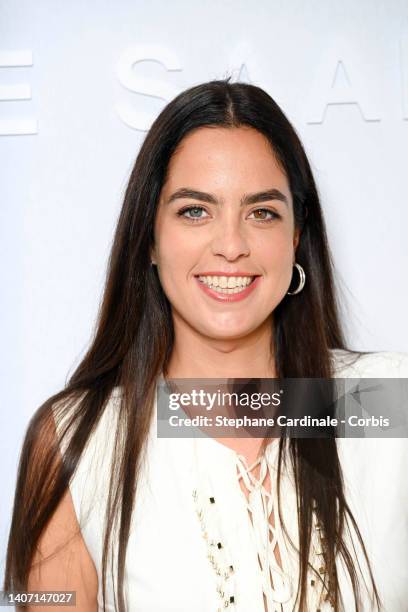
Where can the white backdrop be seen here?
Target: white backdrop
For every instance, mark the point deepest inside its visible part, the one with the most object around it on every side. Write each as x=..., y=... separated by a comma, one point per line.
x=80, y=82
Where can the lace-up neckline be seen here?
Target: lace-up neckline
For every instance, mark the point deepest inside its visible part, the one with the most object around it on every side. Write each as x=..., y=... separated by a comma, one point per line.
x=267, y=528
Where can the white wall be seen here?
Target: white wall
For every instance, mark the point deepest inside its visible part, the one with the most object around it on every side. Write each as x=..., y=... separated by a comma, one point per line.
x=72, y=117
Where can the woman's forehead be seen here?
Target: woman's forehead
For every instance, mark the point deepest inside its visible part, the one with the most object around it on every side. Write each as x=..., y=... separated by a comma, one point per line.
x=226, y=157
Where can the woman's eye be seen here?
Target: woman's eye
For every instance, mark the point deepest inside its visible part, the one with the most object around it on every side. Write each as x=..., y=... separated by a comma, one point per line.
x=260, y=214
x=194, y=213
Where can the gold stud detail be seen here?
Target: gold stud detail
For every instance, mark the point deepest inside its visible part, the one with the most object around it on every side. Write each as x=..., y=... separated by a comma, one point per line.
x=215, y=550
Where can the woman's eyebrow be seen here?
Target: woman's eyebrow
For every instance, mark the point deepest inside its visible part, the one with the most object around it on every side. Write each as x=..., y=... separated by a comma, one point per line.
x=251, y=198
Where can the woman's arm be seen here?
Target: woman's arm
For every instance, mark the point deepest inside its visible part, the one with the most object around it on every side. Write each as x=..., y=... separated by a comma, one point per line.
x=63, y=563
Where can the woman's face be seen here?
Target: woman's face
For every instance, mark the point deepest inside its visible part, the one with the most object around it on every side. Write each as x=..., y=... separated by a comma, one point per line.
x=224, y=232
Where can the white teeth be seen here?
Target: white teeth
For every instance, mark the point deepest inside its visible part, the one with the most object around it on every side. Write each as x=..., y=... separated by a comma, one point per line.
x=227, y=284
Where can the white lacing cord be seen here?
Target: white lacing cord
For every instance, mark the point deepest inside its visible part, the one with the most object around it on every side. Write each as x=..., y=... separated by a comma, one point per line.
x=261, y=504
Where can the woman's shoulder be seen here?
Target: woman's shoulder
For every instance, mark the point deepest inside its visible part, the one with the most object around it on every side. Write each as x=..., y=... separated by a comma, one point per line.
x=89, y=482
x=373, y=364
x=65, y=413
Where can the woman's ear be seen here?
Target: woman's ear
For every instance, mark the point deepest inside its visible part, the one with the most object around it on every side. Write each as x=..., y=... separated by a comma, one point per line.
x=153, y=256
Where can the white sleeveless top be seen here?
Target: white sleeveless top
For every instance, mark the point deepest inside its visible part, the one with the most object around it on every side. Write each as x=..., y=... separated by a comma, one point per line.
x=193, y=545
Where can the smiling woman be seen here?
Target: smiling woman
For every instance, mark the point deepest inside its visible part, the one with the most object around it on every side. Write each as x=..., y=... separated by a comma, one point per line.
x=220, y=268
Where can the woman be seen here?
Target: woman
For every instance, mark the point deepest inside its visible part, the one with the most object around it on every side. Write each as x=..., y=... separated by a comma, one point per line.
x=220, y=268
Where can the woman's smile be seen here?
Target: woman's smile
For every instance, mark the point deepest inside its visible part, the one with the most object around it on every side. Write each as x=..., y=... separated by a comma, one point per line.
x=228, y=287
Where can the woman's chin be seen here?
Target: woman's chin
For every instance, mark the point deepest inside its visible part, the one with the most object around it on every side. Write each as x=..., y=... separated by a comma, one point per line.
x=232, y=332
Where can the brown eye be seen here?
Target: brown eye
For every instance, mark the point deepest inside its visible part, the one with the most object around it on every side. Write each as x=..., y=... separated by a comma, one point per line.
x=260, y=214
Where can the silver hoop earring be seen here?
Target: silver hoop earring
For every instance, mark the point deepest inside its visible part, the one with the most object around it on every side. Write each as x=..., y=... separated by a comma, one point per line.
x=302, y=280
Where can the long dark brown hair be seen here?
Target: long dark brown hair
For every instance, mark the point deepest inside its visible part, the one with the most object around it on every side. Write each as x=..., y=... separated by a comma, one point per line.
x=133, y=342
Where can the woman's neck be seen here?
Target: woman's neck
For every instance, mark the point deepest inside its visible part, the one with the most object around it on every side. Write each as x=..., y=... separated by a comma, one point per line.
x=198, y=356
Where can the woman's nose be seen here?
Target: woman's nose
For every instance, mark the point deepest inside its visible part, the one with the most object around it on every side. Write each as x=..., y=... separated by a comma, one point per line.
x=230, y=241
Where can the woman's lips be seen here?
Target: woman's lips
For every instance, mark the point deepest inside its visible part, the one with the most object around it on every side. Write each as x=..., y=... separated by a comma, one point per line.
x=225, y=297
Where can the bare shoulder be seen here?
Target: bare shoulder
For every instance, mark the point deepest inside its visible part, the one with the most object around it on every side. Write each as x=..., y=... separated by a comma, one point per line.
x=62, y=561
x=65, y=553
x=65, y=558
